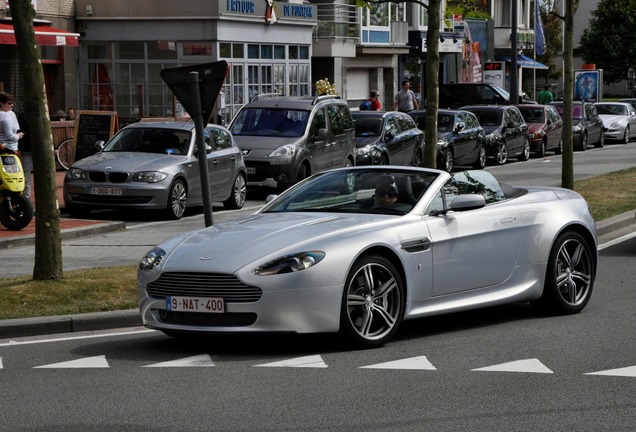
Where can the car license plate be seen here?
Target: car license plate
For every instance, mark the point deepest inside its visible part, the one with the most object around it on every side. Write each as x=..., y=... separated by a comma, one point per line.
x=195, y=304
x=251, y=170
x=105, y=191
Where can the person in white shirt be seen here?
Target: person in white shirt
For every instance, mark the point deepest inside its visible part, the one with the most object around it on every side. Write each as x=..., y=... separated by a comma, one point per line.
x=10, y=131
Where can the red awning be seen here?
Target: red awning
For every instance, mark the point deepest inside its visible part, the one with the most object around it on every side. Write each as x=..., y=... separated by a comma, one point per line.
x=44, y=36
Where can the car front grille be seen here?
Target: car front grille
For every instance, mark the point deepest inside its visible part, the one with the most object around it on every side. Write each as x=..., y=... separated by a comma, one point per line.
x=107, y=177
x=188, y=284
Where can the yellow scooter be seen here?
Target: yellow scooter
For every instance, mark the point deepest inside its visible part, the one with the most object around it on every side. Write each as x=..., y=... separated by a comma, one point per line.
x=16, y=210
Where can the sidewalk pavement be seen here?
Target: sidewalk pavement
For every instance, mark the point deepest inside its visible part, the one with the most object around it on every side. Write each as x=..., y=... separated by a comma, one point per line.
x=607, y=230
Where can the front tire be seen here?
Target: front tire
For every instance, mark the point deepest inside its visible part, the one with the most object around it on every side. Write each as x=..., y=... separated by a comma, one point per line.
x=448, y=161
x=17, y=214
x=480, y=163
x=626, y=137
x=601, y=140
x=583, y=142
x=525, y=152
x=177, y=200
x=502, y=153
x=372, y=302
x=239, y=192
x=569, y=277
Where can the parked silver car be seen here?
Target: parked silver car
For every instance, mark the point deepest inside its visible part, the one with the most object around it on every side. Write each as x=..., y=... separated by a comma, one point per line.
x=619, y=120
x=154, y=165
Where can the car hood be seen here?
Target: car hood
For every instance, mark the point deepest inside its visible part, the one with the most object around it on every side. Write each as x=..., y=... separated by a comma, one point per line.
x=609, y=119
x=262, y=146
x=260, y=238
x=490, y=129
x=366, y=141
x=127, y=161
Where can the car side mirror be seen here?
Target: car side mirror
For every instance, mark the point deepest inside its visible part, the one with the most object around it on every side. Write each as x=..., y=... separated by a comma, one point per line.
x=99, y=145
x=458, y=128
x=468, y=202
x=321, y=135
x=388, y=136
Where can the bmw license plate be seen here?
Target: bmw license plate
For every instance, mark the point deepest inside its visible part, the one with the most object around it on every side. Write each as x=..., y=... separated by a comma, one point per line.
x=195, y=304
x=105, y=191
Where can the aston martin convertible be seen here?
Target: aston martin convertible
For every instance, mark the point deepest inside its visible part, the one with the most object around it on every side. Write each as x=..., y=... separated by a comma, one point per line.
x=356, y=251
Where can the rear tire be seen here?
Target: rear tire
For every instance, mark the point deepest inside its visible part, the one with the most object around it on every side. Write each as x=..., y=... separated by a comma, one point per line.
x=177, y=200
x=239, y=192
x=480, y=163
x=18, y=214
x=601, y=140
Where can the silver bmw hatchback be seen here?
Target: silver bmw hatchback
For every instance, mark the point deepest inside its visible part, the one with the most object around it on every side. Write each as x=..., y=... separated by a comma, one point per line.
x=154, y=165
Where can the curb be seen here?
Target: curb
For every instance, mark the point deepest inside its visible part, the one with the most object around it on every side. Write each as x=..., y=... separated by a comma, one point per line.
x=66, y=234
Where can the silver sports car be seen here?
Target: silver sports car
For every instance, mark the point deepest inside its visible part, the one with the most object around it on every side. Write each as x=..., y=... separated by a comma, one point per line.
x=359, y=250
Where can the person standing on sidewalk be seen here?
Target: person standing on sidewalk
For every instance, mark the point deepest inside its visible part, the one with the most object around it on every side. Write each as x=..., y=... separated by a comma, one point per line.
x=545, y=95
x=405, y=99
x=10, y=132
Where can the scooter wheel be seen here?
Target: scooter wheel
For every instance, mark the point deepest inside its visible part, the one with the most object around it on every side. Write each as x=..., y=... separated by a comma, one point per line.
x=16, y=215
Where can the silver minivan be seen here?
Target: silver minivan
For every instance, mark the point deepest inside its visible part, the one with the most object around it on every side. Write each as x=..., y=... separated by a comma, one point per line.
x=289, y=138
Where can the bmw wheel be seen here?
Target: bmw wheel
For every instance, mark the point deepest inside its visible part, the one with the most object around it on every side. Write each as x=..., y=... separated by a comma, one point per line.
x=502, y=153
x=448, y=160
x=239, y=191
x=525, y=151
x=480, y=163
x=372, y=303
x=569, y=277
x=177, y=199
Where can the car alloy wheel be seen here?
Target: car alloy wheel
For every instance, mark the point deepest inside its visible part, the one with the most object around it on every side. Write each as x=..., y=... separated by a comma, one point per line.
x=525, y=152
x=502, y=153
x=541, y=152
x=448, y=160
x=601, y=140
x=569, y=277
x=480, y=163
x=239, y=192
x=583, y=143
x=177, y=199
x=626, y=137
x=559, y=149
x=373, y=302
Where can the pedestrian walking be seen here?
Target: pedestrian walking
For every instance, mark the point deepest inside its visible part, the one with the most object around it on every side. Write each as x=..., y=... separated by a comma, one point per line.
x=10, y=132
x=405, y=99
x=545, y=96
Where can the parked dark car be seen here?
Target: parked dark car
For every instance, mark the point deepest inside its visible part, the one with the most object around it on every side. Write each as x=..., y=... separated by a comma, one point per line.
x=456, y=95
x=587, y=126
x=545, y=128
x=460, y=138
x=387, y=138
x=506, y=132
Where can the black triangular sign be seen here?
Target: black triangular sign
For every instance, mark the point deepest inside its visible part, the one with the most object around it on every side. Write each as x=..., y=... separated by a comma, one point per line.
x=211, y=78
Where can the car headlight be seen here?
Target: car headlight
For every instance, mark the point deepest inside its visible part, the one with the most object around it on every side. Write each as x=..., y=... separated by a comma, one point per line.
x=363, y=151
x=286, y=150
x=576, y=129
x=149, y=176
x=290, y=263
x=441, y=144
x=76, y=174
x=152, y=259
x=615, y=125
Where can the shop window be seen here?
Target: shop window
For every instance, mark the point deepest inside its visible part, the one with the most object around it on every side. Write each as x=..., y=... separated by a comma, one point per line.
x=253, y=51
x=51, y=54
x=238, y=50
x=162, y=50
x=98, y=50
x=279, y=51
x=129, y=50
x=196, y=49
x=225, y=50
x=266, y=52
x=293, y=52
x=303, y=52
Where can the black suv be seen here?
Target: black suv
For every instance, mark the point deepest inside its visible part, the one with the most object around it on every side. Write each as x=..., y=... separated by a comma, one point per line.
x=587, y=126
x=289, y=138
x=454, y=96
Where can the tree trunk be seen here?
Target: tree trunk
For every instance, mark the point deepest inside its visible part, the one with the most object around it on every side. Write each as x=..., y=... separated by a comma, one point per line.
x=48, y=243
x=567, y=169
x=432, y=84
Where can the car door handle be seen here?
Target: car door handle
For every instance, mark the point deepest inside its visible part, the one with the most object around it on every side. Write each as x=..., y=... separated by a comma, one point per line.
x=215, y=161
x=507, y=220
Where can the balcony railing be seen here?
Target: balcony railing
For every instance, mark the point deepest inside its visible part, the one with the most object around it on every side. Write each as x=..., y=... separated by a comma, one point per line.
x=337, y=21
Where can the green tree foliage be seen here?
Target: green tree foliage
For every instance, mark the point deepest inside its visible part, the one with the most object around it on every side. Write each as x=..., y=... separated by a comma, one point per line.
x=606, y=41
x=553, y=34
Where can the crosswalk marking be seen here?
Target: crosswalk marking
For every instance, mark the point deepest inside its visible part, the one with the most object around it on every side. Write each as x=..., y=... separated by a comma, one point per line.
x=413, y=363
x=626, y=372
x=203, y=360
x=312, y=361
x=88, y=362
x=528, y=365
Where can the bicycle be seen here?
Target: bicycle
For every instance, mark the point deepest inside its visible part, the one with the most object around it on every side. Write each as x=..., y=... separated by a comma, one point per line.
x=65, y=153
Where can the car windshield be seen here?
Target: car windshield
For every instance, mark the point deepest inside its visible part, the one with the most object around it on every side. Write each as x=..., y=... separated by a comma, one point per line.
x=577, y=111
x=270, y=122
x=368, y=126
x=533, y=115
x=489, y=117
x=357, y=191
x=612, y=109
x=150, y=140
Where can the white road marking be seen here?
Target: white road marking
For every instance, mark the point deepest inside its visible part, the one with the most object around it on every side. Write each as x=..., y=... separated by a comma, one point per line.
x=84, y=363
x=629, y=371
x=0, y=362
x=203, y=360
x=529, y=365
x=62, y=339
x=313, y=361
x=413, y=363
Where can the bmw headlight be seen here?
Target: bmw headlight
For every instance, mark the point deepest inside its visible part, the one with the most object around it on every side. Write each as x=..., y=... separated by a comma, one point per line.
x=290, y=263
x=152, y=259
x=286, y=150
x=149, y=176
x=76, y=174
x=363, y=151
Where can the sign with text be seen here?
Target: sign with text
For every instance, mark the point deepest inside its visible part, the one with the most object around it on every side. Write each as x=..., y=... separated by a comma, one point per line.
x=93, y=126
